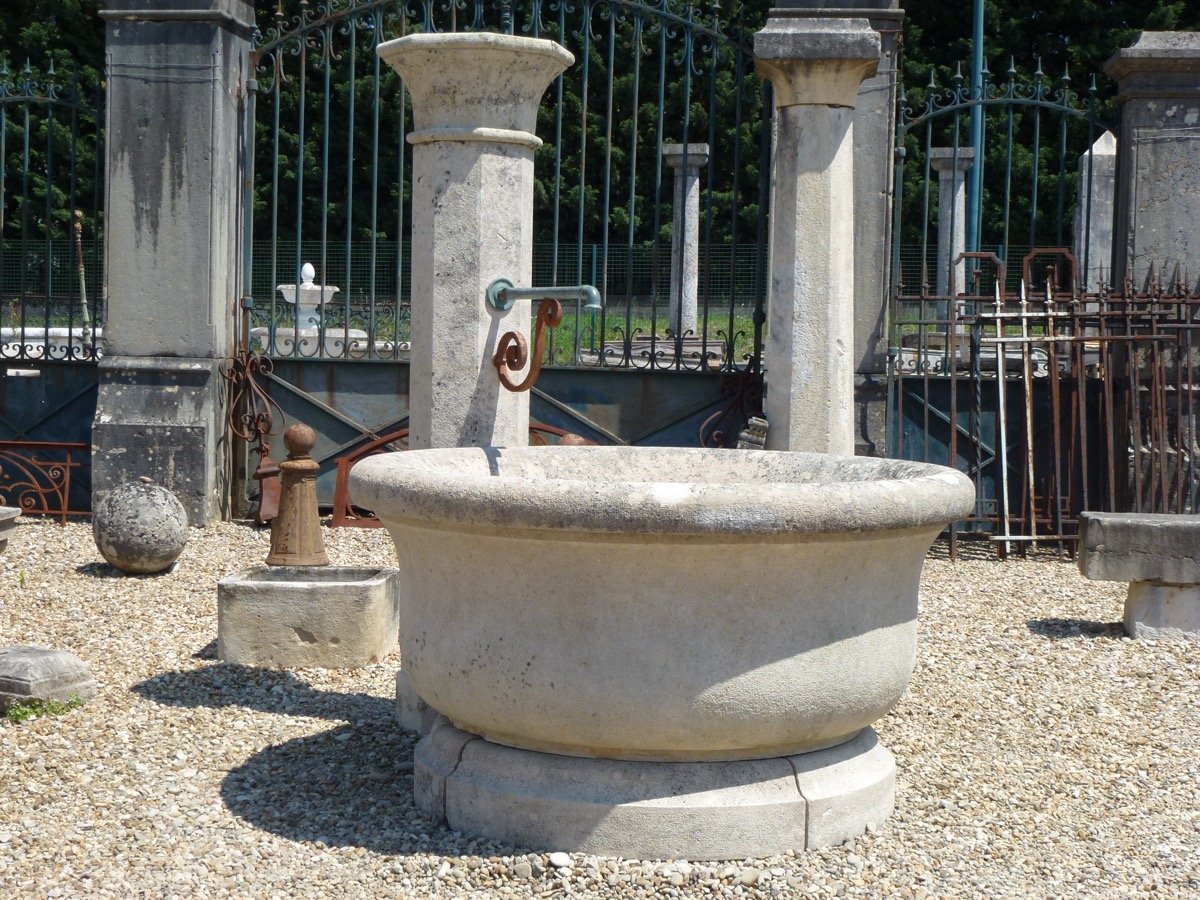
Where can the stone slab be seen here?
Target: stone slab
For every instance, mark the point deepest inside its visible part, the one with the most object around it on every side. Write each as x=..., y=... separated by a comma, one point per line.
x=8, y=523
x=653, y=810
x=304, y=616
x=1156, y=611
x=1140, y=547
x=41, y=673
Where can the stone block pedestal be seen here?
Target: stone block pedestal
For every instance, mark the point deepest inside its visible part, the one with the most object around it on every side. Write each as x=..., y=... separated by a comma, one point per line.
x=8, y=521
x=40, y=673
x=1159, y=555
x=304, y=616
x=653, y=810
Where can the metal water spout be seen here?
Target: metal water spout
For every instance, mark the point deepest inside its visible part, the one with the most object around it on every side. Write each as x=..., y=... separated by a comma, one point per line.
x=307, y=297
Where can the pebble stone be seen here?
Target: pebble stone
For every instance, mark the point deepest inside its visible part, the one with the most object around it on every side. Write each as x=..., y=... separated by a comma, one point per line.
x=1039, y=753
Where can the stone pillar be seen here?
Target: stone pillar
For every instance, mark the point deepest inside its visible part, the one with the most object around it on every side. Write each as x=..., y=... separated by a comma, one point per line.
x=685, y=233
x=815, y=63
x=1094, y=212
x=475, y=100
x=951, y=167
x=1158, y=156
x=175, y=83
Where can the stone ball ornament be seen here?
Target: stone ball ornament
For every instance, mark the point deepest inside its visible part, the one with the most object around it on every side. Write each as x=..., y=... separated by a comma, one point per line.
x=140, y=528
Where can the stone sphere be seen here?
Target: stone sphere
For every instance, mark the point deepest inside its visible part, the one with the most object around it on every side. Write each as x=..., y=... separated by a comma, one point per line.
x=140, y=528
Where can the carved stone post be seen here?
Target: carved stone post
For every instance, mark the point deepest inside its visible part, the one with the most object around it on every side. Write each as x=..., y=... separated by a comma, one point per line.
x=951, y=165
x=174, y=151
x=475, y=100
x=685, y=161
x=815, y=63
x=1158, y=156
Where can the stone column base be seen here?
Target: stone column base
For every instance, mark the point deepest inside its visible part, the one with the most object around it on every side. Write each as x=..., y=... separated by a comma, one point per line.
x=653, y=810
x=412, y=713
x=163, y=418
x=1154, y=611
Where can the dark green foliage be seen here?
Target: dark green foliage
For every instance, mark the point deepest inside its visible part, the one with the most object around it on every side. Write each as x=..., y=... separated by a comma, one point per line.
x=1051, y=52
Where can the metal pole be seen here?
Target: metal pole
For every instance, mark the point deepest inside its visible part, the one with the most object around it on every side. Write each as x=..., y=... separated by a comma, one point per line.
x=974, y=187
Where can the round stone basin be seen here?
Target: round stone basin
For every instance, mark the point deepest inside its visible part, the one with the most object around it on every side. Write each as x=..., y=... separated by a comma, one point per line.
x=659, y=603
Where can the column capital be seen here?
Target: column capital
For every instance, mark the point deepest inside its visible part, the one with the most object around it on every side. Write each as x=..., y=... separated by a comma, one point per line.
x=814, y=59
x=697, y=155
x=475, y=86
x=945, y=159
x=1159, y=63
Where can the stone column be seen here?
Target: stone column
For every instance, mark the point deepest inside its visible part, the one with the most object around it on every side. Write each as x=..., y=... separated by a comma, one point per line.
x=815, y=63
x=475, y=100
x=1158, y=156
x=874, y=156
x=951, y=167
x=175, y=83
x=1094, y=212
x=685, y=233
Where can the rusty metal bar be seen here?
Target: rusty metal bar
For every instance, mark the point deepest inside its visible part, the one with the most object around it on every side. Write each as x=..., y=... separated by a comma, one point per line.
x=1119, y=362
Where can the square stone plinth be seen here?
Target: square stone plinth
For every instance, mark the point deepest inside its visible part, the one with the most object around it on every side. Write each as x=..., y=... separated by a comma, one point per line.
x=40, y=673
x=305, y=616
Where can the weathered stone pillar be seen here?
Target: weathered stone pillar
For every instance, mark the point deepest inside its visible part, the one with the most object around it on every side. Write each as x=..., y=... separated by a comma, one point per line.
x=475, y=99
x=1094, y=212
x=951, y=166
x=874, y=157
x=815, y=63
x=685, y=161
x=1158, y=155
x=174, y=150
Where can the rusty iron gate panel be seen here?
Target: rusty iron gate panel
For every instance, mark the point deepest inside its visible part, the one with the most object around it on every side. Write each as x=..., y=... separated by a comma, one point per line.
x=1055, y=400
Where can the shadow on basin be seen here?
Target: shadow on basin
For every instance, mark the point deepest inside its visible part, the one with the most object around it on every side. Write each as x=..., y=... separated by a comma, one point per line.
x=265, y=690
x=1058, y=629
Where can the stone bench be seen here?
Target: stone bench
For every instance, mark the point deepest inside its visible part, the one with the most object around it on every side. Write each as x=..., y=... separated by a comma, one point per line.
x=1159, y=555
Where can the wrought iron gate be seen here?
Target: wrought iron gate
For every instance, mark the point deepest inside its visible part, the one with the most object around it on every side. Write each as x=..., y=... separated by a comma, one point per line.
x=1056, y=390
x=51, y=237
x=329, y=186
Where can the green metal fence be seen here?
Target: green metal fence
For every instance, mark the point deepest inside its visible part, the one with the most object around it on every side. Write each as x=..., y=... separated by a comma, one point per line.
x=331, y=176
x=51, y=221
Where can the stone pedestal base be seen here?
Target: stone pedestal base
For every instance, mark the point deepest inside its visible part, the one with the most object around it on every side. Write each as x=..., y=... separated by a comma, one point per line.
x=653, y=810
x=40, y=673
x=303, y=616
x=8, y=522
x=1162, y=611
x=163, y=418
x=413, y=713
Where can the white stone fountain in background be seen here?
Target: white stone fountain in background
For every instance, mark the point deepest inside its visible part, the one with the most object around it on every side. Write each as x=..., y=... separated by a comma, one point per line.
x=309, y=337
x=635, y=651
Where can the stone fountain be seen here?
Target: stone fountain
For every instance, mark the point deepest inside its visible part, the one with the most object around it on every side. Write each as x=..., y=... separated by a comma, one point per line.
x=647, y=652
x=309, y=336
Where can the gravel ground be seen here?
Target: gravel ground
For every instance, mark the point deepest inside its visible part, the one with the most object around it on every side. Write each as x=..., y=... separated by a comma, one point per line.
x=1040, y=754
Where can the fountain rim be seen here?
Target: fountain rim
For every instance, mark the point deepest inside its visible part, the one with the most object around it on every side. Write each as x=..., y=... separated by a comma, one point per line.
x=442, y=488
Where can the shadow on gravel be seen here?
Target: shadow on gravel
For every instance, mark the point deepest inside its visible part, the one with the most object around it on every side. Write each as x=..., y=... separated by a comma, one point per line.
x=104, y=570
x=346, y=787
x=265, y=690
x=1057, y=629
x=350, y=786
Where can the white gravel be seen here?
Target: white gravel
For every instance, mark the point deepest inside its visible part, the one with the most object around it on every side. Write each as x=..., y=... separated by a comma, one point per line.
x=1040, y=754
